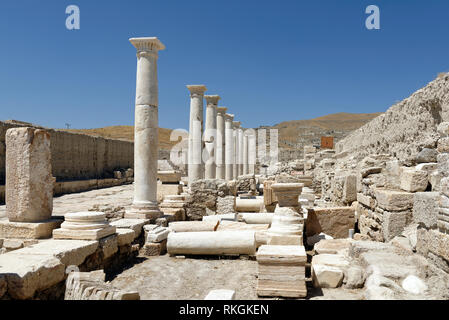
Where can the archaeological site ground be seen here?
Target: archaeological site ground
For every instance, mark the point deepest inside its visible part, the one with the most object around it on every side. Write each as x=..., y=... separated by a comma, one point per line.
x=341, y=205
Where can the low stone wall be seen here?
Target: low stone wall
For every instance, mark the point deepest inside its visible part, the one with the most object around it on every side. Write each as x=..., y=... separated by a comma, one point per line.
x=39, y=270
x=78, y=156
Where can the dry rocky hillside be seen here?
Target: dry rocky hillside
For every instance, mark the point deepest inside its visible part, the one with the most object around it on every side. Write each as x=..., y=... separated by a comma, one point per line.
x=295, y=134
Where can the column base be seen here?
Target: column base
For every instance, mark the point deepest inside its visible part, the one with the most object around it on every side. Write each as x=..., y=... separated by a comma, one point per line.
x=144, y=211
x=287, y=221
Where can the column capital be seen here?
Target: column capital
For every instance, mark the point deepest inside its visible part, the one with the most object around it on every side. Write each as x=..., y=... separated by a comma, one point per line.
x=196, y=89
x=147, y=45
x=237, y=124
x=212, y=99
x=221, y=110
x=229, y=117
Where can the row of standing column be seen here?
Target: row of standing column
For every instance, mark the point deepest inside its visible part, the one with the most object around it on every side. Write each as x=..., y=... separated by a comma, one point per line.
x=228, y=151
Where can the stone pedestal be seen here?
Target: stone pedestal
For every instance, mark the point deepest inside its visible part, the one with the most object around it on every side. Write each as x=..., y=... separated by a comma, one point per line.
x=29, y=182
x=196, y=167
x=210, y=136
x=281, y=271
x=220, y=145
x=288, y=219
x=229, y=147
x=146, y=130
x=29, y=185
x=84, y=226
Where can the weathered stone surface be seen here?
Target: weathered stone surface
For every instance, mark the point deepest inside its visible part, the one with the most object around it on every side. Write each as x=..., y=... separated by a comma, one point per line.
x=389, y=264
x=69, y=252
x=109, y=246
x=324, y=276
x=225, y=205
x=281, y=271
x=91, y=286
x=29, y=180
x=26, y=274
x=256, y=217
x=335, y=222
x=125, y=236
x=426, y=155
x=203, y=197
x=443, y=129
x=285, y=240
x=212, y=243
x=392, y=200
x=134, y=224
x=12, y=244
x=355, y=277
x=226, y=225
x=425, y=208
x=380, y=288
x=328, y=270
x=150, y=249
x=443, y=145
x=414, y=180
x=429, y=167
x=332, y=246
x=433, y=241
x=393, y=224
x=254, y=204
x=169, y=176
x=402, y=243
x=366, y=200
x=194, y=226
x=372, y=170
x=356, y=248
x=156, y=234
x=28, y=230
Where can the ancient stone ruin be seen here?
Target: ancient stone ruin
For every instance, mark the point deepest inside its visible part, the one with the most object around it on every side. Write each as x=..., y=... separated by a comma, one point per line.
x=368, y=219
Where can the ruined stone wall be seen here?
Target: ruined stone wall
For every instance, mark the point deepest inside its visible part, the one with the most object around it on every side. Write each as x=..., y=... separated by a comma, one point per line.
x=406, y=128
x=78, y=156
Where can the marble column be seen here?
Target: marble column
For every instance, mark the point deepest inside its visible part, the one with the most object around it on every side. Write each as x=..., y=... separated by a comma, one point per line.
x=229, y=147
x=237, y=150
x=196, y=168
x=145, y=204
x=288, y=219
x=210, y=136
x=245, y=153
x=252, y=151
x=221, y=139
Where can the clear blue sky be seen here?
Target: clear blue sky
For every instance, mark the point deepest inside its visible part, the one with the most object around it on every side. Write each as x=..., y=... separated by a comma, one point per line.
x=270, y=61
